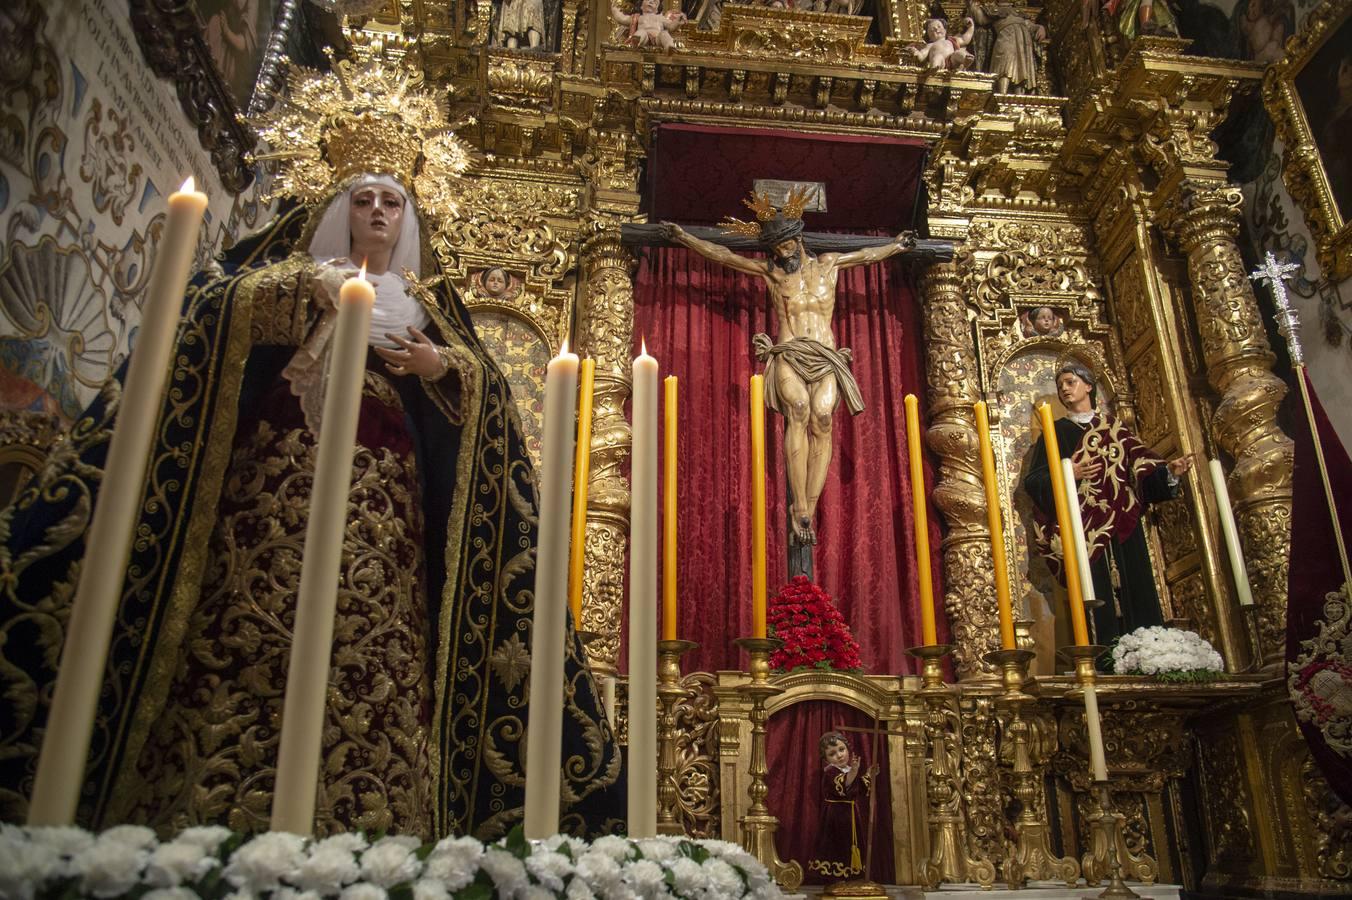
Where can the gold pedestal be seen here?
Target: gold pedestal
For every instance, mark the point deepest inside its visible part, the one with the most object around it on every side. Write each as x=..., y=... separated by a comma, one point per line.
x=669, y=692
x=1109, y=854
x=948, y=861
x=758, y=825
x=1032, y=858
x=861, y=889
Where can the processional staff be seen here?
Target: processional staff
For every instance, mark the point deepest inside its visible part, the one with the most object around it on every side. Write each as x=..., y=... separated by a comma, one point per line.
x=1288, y=325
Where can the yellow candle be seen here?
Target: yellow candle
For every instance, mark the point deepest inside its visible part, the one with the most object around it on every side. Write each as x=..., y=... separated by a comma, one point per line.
x=921, y=516
x=1232, y=547
x=758, y=596
x=79, y=679
x=1063, y=523
x=997, y=528
x=642, y=821
x=307, y=679
x=669, y=505
x=581, y=472
x=544, y=737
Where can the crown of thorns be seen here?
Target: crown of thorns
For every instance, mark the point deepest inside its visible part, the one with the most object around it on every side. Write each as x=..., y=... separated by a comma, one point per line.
x=766, y=212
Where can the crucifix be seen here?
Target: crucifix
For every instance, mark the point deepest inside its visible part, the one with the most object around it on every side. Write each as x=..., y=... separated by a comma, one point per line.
x=806, y=375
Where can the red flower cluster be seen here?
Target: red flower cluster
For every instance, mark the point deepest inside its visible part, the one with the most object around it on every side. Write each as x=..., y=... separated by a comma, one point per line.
x=814, y=632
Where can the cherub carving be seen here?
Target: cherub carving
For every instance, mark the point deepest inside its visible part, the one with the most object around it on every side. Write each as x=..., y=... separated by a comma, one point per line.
x=941, y=51
x=649, y=27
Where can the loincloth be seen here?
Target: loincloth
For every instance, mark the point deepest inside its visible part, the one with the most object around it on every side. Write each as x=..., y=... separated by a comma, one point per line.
x=811, y=361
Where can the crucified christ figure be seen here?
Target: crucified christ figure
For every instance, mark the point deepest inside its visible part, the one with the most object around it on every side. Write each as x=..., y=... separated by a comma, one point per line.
x=805, y=374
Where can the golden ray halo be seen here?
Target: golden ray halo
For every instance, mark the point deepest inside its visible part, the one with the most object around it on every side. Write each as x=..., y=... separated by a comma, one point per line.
x=365, y=115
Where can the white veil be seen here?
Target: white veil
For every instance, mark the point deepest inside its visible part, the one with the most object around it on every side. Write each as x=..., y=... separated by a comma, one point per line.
x=333, y=237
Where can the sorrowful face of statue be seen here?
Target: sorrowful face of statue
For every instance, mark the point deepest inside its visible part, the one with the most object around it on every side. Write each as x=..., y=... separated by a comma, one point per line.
x=377, y=212
x=788, y=254
x=1073, y=391
x=837, y=754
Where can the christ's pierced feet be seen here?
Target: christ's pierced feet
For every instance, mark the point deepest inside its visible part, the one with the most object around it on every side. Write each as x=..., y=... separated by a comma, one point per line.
x=803, y=533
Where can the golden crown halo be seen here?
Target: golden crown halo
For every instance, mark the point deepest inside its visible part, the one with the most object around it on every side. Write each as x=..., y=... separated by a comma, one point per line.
x=366, y=115
x=760, y=204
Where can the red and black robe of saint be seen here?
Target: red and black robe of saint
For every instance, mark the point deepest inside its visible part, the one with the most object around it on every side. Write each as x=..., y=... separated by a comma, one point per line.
x=1112, y=501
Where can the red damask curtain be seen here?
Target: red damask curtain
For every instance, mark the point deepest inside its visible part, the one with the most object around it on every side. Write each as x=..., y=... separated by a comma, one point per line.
x=698, y=319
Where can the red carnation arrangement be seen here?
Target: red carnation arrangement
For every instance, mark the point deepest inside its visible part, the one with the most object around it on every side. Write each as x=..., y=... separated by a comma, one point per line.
x=814, y=632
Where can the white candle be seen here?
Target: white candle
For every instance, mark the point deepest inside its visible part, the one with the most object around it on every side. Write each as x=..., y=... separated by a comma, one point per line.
x=643, y=604
x=1080, y=547
x=307, y=677
x=65, y=744
x=1232, y=545
x=544, y=736
x=1097, y=763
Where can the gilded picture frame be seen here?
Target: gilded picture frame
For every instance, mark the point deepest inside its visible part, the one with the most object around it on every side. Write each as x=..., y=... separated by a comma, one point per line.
x=1308, y=94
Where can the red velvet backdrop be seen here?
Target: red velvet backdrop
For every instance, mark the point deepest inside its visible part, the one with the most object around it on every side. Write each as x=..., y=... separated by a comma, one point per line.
x=698, y=319
x=794, y=760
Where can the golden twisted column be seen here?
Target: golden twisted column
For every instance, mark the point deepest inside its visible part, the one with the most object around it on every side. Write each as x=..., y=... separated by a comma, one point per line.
x=1239, y=366
x=605, y=333
x=951, y=371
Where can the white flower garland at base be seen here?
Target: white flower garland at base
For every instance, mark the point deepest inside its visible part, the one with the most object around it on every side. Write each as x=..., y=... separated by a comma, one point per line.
x=211, y=862
x=1169, y=654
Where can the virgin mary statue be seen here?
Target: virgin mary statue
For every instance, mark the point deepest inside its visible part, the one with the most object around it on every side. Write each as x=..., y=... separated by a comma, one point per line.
x=426, y=713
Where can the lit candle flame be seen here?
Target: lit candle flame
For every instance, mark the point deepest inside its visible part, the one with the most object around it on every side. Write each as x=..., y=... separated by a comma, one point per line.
x=563, y=350
x=362, y=273
x=188, y=186
x=643, y=344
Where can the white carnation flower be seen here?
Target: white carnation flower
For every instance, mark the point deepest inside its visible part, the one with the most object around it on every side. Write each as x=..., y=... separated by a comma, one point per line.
x=290, y=893
x=109, y=868
x=390, y=862
x=508, y=872
x=178, y=861
x=66, y=840
x=723, y=878
x=347, y=841
x=25, y=866
x=261, y=863
x=617, y=848
x=603, y=874
x=208, y=837
x=578, y=890
x=363, y=891
x=646, y=877
x=431, y=889
x=535, y=892
x=549, y=868
x=688, y=877
x=454, y=862
x=327, y=869
x=170, y=893
x=656, y=849
x=133, y=837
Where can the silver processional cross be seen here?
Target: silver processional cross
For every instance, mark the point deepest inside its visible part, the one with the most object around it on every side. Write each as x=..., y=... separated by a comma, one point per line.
x=1288, y=320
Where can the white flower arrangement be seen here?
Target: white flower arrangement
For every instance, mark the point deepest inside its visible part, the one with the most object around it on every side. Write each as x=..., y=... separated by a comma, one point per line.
x=1169, y=654
x=214, y=863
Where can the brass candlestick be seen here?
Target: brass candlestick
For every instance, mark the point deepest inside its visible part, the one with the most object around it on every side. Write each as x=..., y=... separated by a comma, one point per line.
x=758, y=825
x=948, y=860
x=1255, y=631
x=1109, y=854
x=669, y=692
x=1032, y=859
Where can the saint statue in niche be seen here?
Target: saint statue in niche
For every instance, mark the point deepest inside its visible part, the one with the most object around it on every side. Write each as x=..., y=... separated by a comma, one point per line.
x=520, y=23
x=1015, y=43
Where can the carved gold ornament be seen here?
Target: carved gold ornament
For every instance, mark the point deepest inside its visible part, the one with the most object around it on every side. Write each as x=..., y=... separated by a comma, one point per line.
x=1306, y=166
x=366, y=115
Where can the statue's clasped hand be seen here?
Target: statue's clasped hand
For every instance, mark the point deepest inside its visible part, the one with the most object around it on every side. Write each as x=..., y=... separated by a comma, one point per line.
x=418, y=356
